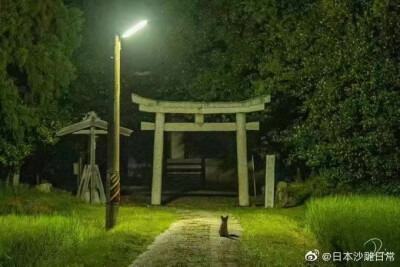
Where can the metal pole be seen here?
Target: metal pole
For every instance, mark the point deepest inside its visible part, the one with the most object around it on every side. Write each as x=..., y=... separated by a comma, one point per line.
x=113, y=196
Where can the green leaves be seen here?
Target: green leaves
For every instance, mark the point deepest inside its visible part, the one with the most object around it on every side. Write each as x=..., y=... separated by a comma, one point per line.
x=37, y=40
x=350, y=131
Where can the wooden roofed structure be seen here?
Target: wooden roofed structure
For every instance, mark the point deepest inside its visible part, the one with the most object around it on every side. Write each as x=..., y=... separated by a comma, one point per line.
x=90, y=186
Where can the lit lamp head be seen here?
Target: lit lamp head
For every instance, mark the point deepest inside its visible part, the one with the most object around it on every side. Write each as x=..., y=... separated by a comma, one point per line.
x=134, y=29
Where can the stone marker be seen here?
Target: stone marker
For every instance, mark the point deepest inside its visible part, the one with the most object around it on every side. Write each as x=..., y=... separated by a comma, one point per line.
x=15, y=178
x=269, y=181
x=44, y=187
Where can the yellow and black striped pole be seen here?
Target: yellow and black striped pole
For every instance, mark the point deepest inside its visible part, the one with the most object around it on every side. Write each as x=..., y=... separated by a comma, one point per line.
x=113, y=183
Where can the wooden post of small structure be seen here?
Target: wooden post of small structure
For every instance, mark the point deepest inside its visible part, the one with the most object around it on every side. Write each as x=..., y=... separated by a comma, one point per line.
x=93, y=192
x=156, y=188
x=203, y=173
x=254, y=176
x=199, y=118
x=76, y=169
x=242, y=159
x=269, y=181
x=80, y=169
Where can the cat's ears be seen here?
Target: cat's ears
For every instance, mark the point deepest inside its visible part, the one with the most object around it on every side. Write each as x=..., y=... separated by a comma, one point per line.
x=225, y=218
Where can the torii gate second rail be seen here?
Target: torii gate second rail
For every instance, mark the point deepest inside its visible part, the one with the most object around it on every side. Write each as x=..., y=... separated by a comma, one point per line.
x=199, y=109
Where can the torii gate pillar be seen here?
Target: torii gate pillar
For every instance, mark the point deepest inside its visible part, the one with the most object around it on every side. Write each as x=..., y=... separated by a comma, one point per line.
x=243, y=180
x=158, y=159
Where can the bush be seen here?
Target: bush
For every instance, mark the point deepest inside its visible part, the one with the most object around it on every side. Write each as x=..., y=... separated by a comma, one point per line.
x=293, y=194
x=297, y=193
x=345, y=223
x=325, y=187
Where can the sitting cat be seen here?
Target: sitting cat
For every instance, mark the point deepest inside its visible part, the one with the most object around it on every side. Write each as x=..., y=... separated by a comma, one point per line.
x=223, y=229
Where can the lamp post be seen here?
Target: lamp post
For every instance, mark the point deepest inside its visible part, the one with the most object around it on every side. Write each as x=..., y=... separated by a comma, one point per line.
x=113, y=180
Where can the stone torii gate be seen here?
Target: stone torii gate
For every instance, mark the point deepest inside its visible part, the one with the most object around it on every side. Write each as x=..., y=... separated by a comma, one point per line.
x=90, y=187
x=199, y=109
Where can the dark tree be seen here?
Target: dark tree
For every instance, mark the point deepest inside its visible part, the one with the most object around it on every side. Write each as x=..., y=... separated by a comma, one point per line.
x=37, y=41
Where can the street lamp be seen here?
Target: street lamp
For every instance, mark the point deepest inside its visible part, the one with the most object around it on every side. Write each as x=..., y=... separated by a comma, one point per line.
x=134, y=29
x=113, y=183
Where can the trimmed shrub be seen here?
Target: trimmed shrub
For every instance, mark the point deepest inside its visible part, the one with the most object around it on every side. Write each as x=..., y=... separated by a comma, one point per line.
x=297, y=193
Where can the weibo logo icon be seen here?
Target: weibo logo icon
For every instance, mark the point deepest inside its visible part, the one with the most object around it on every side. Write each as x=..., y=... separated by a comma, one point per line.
x=312, y=255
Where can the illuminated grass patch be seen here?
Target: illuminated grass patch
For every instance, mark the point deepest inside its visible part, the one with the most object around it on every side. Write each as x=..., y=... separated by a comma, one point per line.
x=275, y=237
x=345, y=223
x=73, y=233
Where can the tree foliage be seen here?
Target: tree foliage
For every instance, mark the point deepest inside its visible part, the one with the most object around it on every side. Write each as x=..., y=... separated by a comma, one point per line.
x=350, y=104
x=37, y=40
x=332, y=68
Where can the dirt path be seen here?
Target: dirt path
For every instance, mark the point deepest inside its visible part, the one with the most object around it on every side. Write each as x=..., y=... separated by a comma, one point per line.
x=194, y=241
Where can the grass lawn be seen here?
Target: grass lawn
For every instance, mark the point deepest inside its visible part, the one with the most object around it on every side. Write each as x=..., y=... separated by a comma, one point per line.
x=57, y=230
x=282, y=237
x=275, y=237
x=271, y=237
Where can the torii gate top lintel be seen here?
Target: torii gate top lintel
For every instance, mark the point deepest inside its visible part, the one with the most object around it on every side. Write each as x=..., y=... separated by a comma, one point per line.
x=151, y=105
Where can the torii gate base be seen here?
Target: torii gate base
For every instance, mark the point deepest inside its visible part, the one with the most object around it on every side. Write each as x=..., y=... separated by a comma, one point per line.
x=199, y=109
x=91, y=187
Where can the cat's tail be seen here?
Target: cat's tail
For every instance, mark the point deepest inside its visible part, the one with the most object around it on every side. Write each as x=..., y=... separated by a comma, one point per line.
x=232, y=236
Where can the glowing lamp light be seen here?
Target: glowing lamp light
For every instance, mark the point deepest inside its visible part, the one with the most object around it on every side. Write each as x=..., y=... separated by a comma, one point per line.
x=134, y=29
